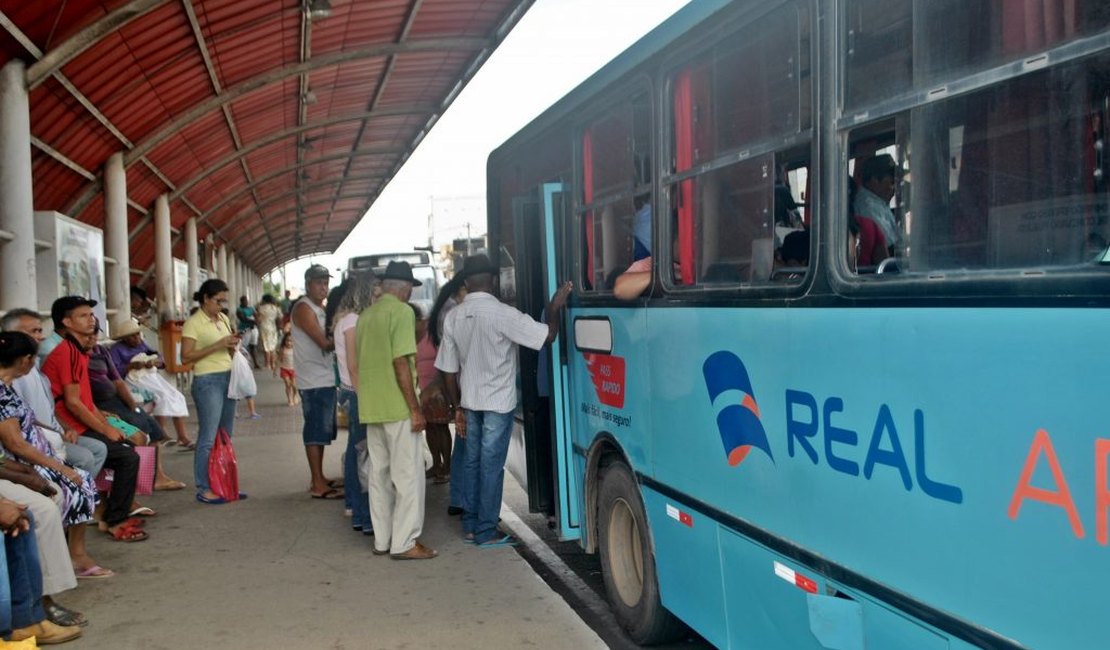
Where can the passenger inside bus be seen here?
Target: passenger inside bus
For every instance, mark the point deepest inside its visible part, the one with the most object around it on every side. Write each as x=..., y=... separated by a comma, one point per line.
x=870, y=246
x=878, y=179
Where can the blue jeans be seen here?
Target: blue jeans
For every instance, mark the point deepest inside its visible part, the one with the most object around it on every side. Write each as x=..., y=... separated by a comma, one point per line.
x=458, y=474
x=88, y=454
x=214, y=412
x=487, y=445
x=357, y=500
x=20, y=582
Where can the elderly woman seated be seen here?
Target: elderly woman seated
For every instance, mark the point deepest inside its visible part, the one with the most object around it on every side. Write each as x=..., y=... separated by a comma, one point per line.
x=23, y=442
x=138, y=363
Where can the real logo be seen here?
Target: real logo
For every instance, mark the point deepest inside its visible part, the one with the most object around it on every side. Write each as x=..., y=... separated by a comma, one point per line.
x=738, y=419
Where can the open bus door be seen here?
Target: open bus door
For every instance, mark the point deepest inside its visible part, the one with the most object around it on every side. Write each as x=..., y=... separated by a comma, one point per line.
x=540, y=223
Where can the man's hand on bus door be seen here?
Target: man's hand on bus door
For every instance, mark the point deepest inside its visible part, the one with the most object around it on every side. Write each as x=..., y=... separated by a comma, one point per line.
x=559, y=300
x=460, y=423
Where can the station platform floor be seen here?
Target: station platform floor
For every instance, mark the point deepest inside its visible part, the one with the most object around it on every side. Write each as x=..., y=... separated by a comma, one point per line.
x=282, y=570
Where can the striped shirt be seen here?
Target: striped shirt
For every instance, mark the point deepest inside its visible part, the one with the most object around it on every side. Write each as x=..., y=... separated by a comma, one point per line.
x=480, y=339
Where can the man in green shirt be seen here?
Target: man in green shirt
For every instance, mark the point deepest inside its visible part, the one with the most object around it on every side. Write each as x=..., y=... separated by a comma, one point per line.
x=385, y=341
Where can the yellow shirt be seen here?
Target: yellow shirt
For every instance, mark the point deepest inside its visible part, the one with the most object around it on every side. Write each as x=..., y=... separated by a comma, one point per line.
x=202, y=329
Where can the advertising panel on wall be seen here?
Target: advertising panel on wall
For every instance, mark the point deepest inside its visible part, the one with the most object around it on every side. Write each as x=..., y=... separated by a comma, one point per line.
x=80, y=263
x=181, y=297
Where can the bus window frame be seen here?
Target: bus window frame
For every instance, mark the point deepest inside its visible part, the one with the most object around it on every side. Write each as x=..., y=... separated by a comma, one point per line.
x=681, y=59
x=614, y=98
x=1063, y=284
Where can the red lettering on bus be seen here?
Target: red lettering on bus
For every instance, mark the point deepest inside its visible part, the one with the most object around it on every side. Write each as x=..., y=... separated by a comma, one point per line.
x=1102, y=494
x=1042, y=444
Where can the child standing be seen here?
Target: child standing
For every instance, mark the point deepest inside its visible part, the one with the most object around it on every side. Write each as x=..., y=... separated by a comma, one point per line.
x=288, y=375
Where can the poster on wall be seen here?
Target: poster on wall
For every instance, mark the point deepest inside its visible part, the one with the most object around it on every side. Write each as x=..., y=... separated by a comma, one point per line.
x=80, y=250
x=181, y=297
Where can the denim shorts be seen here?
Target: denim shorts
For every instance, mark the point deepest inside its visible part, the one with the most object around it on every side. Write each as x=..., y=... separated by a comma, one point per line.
x=318, y=405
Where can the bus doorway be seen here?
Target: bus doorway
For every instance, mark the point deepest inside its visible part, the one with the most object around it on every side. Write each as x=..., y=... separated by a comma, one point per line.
x=539, y=221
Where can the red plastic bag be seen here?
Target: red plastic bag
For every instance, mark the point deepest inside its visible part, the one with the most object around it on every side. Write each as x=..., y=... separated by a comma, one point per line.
x=223, y=471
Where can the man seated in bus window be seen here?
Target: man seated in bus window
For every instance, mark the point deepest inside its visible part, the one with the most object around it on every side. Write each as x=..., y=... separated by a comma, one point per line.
x=634, y=280
x=878, y=179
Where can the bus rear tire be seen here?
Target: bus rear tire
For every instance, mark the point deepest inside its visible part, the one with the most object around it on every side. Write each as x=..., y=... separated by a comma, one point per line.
x=628, y=563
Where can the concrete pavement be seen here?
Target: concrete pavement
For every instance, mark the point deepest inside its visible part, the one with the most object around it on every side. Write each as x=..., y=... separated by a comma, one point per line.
x=282, y=570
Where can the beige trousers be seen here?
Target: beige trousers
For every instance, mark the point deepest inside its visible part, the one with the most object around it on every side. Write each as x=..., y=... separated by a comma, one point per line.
x=50, y=537
x=396, y=457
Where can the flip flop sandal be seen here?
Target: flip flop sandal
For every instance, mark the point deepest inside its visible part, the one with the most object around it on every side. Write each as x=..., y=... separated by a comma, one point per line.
x=63, y=616
x=142, y=511
x=95, y=572
x=169, y=487
x=335, y=483
x=129, y=534
x=331, y=494
x=187, y=446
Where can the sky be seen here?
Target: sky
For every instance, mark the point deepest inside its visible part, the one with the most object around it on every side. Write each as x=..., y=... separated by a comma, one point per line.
x=554, y=47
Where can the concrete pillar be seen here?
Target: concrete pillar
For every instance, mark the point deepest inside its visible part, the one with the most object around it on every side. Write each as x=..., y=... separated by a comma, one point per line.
x=232, y=279
x=191, y=256
x=163, y=258
x=221, y=262
x=117, y=275
x=17, y=257
x=210, y=255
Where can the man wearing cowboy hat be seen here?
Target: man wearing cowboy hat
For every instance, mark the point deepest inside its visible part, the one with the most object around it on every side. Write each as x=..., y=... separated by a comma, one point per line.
x=386, y=346
x=479, y=351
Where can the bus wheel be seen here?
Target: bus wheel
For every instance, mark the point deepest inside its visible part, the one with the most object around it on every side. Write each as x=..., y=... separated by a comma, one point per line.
x=627, y=561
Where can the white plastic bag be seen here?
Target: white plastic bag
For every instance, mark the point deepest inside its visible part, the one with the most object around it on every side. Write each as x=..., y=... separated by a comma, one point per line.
x=242, y=379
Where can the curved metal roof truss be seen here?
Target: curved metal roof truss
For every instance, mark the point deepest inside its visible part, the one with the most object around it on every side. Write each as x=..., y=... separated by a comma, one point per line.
x=254, y=118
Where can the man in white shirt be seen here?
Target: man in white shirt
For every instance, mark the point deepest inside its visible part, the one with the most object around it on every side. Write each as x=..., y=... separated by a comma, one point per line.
x=479, y=353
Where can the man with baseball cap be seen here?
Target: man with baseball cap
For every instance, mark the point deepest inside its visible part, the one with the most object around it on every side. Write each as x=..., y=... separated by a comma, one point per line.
x=67, y=368
x=314, y=363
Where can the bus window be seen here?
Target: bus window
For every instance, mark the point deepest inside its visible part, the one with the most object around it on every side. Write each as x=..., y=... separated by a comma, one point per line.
x=732, y=108
x=894, y=46
x=616, y=191
x=1008, y=177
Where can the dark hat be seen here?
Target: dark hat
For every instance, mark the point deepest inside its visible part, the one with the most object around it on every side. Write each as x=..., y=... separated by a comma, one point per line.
x=784, y=197
x=316, y=272
x=879, y=166
x=476, y=264
x=400, y=271
x=62, y=306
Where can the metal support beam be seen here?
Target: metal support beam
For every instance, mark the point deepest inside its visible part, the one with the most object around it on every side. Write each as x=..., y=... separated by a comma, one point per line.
x=53, y=61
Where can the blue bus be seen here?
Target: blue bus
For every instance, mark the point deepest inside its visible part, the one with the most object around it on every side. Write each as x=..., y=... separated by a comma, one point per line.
x=891, y=435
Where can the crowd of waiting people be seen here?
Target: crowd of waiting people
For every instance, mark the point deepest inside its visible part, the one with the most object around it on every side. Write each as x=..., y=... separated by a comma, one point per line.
x=75, y=415
x=404, y=377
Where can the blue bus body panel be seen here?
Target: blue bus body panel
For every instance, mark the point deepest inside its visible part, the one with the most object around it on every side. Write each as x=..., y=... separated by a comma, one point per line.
x=890, y=442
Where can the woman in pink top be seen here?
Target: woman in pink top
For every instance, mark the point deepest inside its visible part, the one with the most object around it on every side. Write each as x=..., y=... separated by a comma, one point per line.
x=433, y=400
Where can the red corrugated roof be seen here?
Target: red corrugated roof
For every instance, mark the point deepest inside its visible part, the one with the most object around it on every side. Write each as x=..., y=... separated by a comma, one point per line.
x=204, y=98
